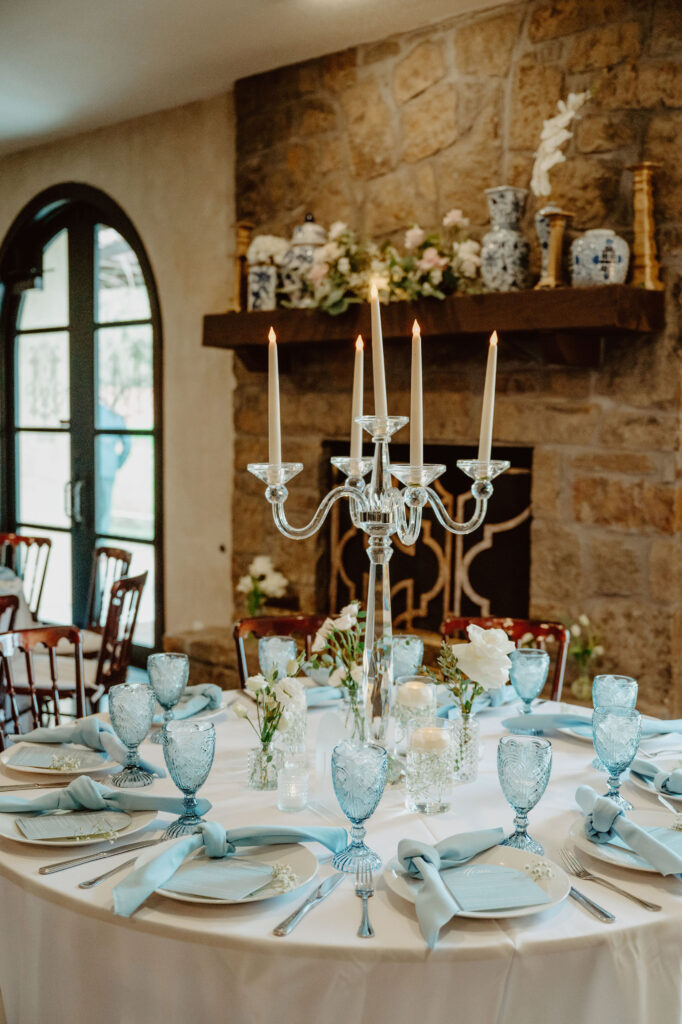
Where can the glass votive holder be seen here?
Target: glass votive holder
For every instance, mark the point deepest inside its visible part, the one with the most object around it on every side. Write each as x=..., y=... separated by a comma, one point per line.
x=293, y=786
x=429, y=768
x=275, y=653
x=415, y=702
x=291, y=733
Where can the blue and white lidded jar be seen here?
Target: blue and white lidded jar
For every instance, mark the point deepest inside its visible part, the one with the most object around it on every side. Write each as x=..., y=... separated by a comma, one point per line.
x=262, y=286
x=298, y=259
x=600, y=256
x=505, y=251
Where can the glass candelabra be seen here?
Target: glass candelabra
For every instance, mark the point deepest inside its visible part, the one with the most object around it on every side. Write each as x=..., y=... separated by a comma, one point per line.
x=381, y=511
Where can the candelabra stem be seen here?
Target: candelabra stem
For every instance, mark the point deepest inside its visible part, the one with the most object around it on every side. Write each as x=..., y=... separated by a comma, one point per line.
x=377, y=674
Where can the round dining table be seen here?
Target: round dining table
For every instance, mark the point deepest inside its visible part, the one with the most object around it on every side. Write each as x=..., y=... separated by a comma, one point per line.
x=65, y=957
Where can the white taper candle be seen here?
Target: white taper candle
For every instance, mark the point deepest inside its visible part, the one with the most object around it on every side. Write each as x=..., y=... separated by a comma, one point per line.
x=274, y=430
x=416, y=401
x=486, y=439
x=356, y=408
x=380, y=403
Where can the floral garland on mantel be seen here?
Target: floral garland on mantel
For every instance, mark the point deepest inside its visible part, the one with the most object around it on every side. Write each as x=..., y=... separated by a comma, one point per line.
x=433, y=265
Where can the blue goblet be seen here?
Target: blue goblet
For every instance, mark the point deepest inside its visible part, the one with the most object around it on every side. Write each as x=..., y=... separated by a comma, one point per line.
x=408, y=654
x=188, y=749
x=275, y=653
x=528, y=675
x=359, y=777
x=131, y=709
x=612, y=691
x=168, y=675
x=524, y=764
x=616, y=732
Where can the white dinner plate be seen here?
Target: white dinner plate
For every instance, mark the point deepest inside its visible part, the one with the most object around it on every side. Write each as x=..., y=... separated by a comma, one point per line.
x=10, y=830
x=666, y=764
x=556, y=885
x=106, y=763
x=616, y=854
x=302, y=861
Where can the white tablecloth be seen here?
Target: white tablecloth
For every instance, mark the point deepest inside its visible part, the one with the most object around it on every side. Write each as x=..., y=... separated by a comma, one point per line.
x=64, y=957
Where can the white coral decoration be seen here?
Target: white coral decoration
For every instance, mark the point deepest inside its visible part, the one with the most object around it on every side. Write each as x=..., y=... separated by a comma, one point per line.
x=267, y=249
x=485, y=658
x=554, y=134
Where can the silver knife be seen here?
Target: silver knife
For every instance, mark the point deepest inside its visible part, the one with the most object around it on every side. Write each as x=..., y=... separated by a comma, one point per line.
x=323, y=890
x=594, y=908
x=33, y=785
x=76, y=862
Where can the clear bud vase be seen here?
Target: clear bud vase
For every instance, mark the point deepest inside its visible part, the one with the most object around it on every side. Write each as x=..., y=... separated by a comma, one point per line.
x=263, y=765
x=466, y=748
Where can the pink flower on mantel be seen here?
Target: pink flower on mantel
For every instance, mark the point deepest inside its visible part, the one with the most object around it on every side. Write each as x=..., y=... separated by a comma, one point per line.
x=431, y=260
x=318, y=272
x=414, y=237
x=455, y=219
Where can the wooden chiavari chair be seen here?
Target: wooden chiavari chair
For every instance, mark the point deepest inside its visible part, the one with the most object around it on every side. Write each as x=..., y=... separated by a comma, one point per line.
x=305, y=626
x=28, y=558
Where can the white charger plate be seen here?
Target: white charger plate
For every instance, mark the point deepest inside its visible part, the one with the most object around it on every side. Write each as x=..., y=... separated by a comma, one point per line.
x=201, y=716
x=615, y=854
x=106, y=764
x=303, y=862
x=666, y=764
x=10, y=830
x=557, y=886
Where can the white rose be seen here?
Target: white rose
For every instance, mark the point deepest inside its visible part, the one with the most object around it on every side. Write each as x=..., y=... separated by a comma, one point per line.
x=240, y=710
x=575, y=630
x=245, y=584
x=256, y=683
x=351, y=609
x=583, y=620
x=320, y=641
x=290, y=693
x=345, y=622
x=484, y=664
x=339, y=227
x=495, y=639
x=274, y=584
x=356, y=673
x=414, y=237
x=261, y=566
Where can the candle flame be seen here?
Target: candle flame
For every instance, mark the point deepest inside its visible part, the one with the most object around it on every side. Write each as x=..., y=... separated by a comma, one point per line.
x=373, y=291
x=359, y=343
x=271, y=335
x=493, y=338
x=415, y=328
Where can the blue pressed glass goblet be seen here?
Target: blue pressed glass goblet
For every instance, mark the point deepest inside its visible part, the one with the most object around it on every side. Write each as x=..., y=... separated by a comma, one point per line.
x=613, y=691
x=408, y=654
x=188, y=749
x=131, y=709
x=168, y=675
x=524, y=764
x=616, y=732
x=275, y=653
x=359, y=777
x=528, y=675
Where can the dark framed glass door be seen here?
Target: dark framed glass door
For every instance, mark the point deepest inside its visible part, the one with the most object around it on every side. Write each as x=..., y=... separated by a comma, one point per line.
x=84, y=412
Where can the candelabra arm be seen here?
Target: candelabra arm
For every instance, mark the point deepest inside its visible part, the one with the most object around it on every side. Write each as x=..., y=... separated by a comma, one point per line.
x=478, y=516
x=409, y=523
x=356, y=497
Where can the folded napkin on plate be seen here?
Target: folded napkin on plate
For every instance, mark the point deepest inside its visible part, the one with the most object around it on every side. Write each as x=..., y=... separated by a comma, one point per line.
x=605, y=822
x=491, y=699
x=89, y=732
x=665, y=782
x=86, y=794
x=316, y=695
x=434, y=903
x=581, y=721
x=200, y=697
x=217, y=842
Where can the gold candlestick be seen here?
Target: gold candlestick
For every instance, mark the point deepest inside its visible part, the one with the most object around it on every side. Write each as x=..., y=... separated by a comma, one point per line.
x=558, y=220
x=645, y=266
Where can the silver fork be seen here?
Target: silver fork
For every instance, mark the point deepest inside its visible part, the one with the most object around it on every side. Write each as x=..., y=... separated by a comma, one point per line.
x=364, y=889
x=577, y=869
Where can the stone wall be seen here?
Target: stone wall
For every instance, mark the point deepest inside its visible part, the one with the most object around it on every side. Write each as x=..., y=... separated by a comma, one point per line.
x=399, y=131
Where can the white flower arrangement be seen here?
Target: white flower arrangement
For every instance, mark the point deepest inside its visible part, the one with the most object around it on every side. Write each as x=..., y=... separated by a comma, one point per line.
x=275, y=699
x=261, y=582
x=267, y=249
x=472, y=668
x=339, y=644
x=553, y=136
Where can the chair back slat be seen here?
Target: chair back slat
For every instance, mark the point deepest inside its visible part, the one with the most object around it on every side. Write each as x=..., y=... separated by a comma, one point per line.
x=9, y=603
x=516, y=629
x=273, y=625
x=32, y=688
x=117, y=638
x=108, y=566
x=27, y=557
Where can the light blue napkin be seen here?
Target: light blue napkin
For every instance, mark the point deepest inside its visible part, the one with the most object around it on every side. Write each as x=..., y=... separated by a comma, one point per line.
x=200, y=697
x=320, y=676
x=316, y=695
x=665, y=782
x=581, y=721
x=143, y=881
x=605, y=822
x=86, y=794
x=89, y=732
x=433, y=902
x=491, y=699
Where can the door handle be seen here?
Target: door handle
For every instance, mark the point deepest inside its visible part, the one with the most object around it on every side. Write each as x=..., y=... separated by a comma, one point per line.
x=77, y=495
x=68, y=499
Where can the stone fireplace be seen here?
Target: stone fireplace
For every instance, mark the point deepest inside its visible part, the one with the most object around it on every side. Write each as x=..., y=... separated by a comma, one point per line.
x=398, y=131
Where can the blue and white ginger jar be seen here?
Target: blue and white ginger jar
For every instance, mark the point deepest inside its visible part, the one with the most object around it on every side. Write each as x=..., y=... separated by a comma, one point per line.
x=298, y=259
x=600, y=256
x=505, y=251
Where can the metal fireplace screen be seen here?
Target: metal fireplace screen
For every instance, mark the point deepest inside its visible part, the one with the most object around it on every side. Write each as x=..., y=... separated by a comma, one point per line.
x=482, y=573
